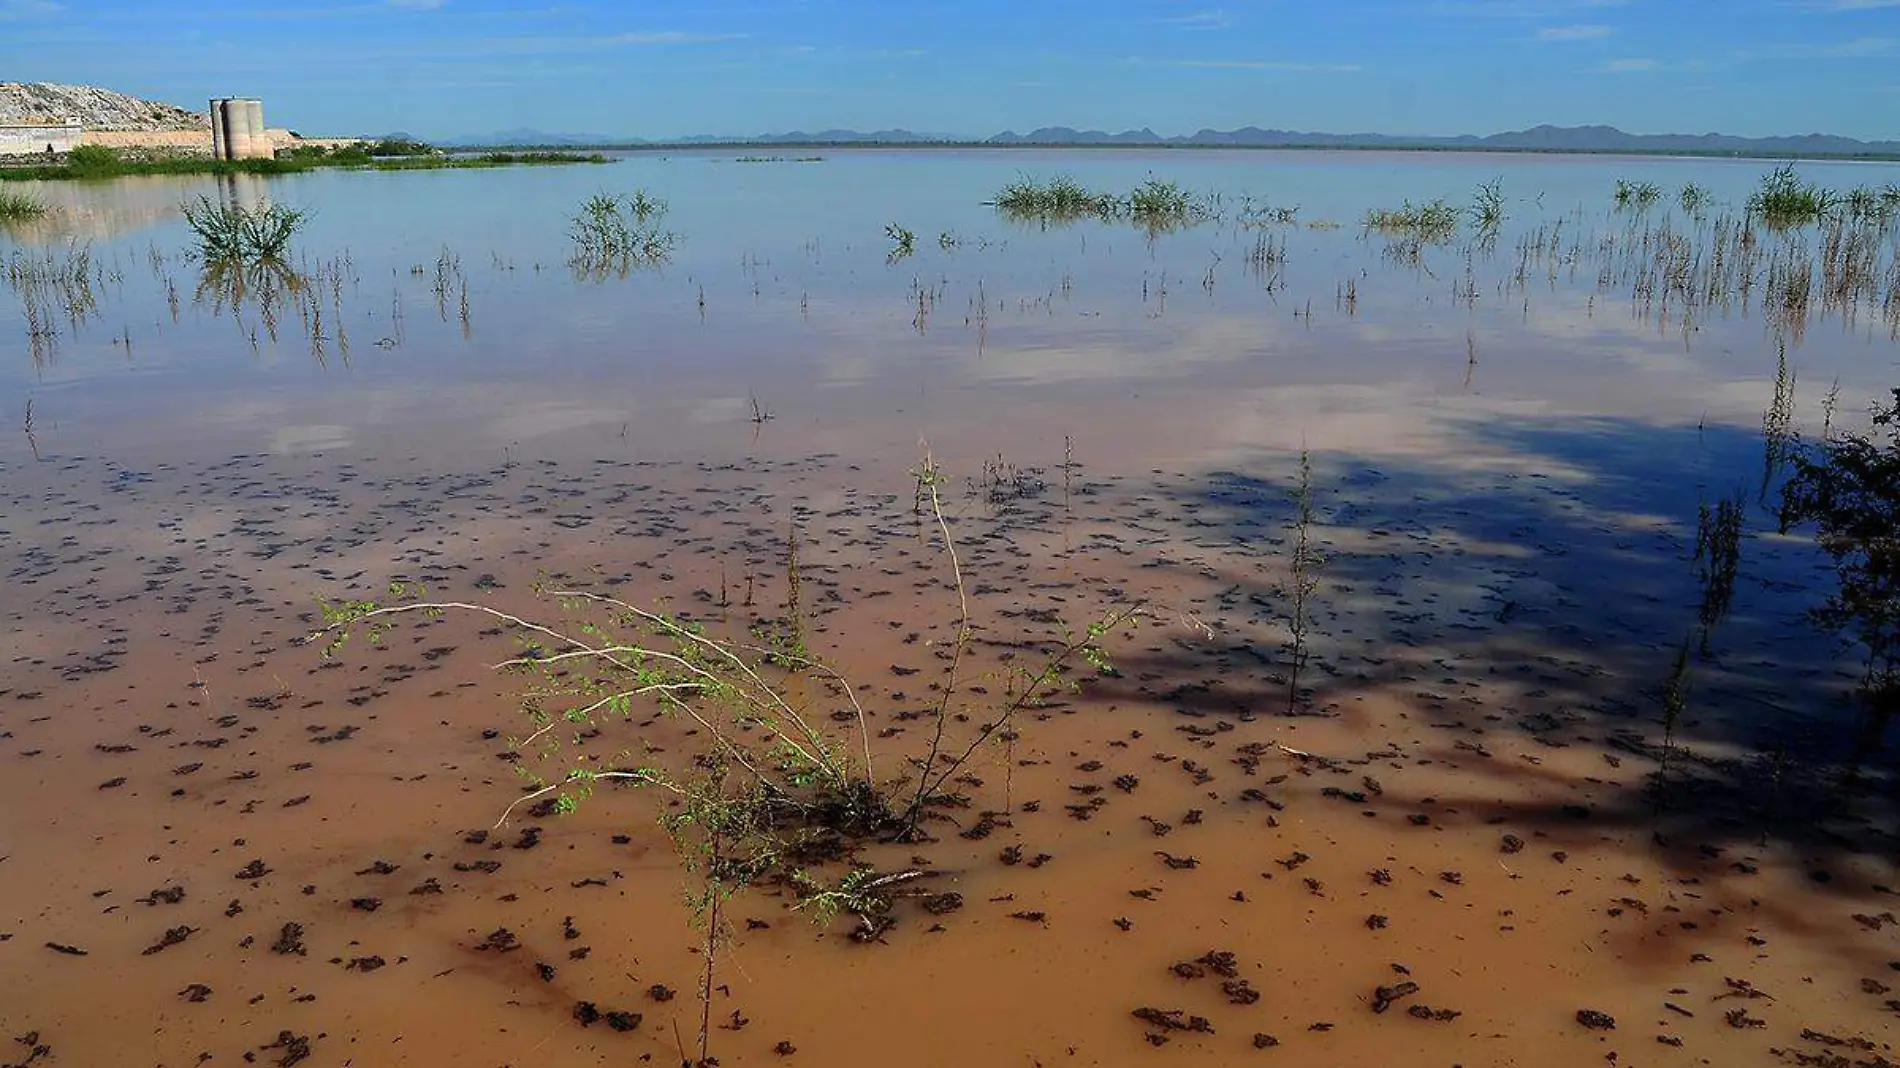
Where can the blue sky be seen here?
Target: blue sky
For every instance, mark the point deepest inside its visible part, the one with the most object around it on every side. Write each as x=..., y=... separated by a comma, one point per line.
x=452, y=67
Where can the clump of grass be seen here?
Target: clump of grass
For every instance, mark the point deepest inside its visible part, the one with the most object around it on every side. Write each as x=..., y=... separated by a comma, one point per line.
x=1155, y=204
x=1061, y=198
x=1004, y=482
x=903, y=241
x=1252, y=214
x=1156, y=200
x=17, y=206
x=1432, y=221
x=1487, y=205
x=232, y=232
x=1783, y=200
x=1864, y=205
x=1694, y=198
x=613, y=235
x=779, y=784
x=1635, y=196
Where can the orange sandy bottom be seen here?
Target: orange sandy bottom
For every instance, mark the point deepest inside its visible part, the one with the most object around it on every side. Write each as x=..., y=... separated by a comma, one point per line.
x=161, y=729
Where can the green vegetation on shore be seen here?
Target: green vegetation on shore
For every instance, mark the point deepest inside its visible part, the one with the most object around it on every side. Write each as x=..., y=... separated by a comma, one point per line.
x=742, y=145
x=96, y=162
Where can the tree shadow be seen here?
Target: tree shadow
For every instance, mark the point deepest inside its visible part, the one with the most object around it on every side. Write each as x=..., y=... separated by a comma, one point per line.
x=1539, y=587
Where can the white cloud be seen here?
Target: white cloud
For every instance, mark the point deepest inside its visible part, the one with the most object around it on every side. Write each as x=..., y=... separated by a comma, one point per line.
x=552, y=46
x=12, y=10
x=1573, y=33
x=1519, y=9
x=1858, y=48
x=1629, y=66
x=1861, y=47
x=1200, y=20
x=1254, y=64
x=669, y=37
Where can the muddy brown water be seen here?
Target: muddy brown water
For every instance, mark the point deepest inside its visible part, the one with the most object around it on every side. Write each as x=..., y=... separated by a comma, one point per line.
x=1505, y=491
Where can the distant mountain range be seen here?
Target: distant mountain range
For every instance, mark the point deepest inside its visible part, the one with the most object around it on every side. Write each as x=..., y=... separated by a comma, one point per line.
x=1536, y=139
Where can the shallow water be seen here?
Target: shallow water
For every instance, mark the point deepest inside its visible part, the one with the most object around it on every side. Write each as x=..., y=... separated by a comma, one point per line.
x=1509, y=449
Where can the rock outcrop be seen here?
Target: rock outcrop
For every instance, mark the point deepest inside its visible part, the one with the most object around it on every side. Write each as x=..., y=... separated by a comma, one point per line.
x=96, y=109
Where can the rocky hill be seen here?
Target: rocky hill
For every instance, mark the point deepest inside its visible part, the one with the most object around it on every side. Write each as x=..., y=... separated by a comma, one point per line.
x=96, y=109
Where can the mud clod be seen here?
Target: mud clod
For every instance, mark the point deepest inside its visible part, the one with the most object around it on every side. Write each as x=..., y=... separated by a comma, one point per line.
x=170, y=938
x=501, y=940
x=293, y=1048
x=943, y=904
x=1383, y=997
x=1596, y=1021
x=1174, y=1020
x=289, y=941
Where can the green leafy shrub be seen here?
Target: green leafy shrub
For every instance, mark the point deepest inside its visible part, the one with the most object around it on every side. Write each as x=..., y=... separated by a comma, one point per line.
x=94, y=161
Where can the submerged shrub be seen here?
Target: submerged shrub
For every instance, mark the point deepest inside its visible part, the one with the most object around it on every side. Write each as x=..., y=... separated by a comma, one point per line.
x=1061, y=199
x=613, y=235
x=1163, y=205
x=1155, y=204
x=1432, y=221
x=1784, y=200
x=1866, y=205
x=1694, y=199
x=1636, y=196
x=235, y=232
x=1487, y=205
x=15, y=206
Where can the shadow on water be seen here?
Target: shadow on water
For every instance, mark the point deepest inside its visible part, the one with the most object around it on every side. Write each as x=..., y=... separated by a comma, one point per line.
x=1546, y=600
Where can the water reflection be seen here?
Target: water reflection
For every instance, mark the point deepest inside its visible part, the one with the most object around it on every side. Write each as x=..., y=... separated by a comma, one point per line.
x=58, y=291
x=263, y=288
x=87, y=212
x=1848, y=488
x=1557, y=610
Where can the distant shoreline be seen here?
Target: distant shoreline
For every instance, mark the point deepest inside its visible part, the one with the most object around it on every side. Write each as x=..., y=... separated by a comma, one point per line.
x=1095, y=146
